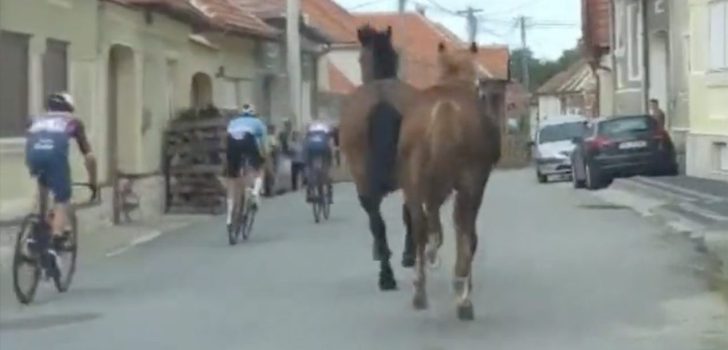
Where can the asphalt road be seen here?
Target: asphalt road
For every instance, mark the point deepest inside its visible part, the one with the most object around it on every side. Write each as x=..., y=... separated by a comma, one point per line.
x=556, y=269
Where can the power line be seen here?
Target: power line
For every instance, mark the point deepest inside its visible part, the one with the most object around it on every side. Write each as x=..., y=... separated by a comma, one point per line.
x=364, y=4
x=443, y=8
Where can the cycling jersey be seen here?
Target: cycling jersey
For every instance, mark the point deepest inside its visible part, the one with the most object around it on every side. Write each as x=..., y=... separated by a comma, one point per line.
x=248, y=124
x=47, y=144
x=245, y=144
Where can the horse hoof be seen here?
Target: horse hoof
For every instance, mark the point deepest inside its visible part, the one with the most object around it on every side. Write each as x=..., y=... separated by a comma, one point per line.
x=433, y=260
x=419, y=301
x=388, y=284
x=465, y=312
x=408, y=260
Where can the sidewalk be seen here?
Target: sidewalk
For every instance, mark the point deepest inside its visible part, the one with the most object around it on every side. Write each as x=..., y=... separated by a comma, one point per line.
x=695, y=207
x=99, y=238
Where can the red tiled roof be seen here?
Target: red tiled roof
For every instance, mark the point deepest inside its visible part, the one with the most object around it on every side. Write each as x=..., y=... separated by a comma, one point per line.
x=234, y=15
x=416, y=37
x=338, y=82
x=595, y=23
x=225, y=14
x=331, y=18
x=494, y=59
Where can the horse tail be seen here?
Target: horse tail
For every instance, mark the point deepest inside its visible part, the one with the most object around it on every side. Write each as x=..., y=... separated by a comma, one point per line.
x=384, y=124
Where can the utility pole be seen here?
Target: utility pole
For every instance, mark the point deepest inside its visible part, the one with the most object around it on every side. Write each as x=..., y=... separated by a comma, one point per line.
x=526, y=79
x=401, y=4
x=472, y=22
x=293, y=47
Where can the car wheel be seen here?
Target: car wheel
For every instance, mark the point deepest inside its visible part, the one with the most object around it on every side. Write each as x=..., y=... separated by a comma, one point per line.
x=593, y=177
x=577, y=182
x=542, y=179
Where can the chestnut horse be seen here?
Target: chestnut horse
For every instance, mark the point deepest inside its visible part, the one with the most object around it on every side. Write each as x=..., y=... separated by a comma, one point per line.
x=449, y=143
x=369, y=135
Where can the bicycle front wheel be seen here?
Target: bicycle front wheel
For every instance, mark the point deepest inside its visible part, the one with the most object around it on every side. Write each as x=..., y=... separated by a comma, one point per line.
x=26, y=256
x=67, y=253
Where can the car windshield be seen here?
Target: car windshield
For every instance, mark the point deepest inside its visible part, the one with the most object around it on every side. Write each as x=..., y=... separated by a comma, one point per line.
x=561, y=132
x=625, y=126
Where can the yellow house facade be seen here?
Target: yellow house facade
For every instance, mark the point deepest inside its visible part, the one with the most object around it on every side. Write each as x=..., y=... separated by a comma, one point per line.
x=41, y=53
x=129, y=69
x=707, y=141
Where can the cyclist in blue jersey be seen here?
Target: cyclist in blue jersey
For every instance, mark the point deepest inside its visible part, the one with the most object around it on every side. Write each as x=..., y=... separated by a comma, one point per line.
x=47, y=141
x=246, y=143
x=319, y=143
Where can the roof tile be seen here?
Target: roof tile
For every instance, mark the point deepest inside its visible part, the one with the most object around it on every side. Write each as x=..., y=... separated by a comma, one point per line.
x=416, y=37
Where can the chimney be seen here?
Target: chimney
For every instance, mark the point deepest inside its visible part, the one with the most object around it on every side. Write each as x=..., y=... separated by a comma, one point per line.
x=420, y=9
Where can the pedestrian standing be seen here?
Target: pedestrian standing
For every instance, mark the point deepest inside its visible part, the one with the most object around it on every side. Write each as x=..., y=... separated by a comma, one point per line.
x=657, y=113
x=272, y=164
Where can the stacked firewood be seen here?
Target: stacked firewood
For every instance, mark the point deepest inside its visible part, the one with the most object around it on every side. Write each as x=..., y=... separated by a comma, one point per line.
x=194, y=157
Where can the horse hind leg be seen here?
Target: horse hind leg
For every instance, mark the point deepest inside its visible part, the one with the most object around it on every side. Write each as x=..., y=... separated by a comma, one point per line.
x=419, y=231
x=381, y=252
x=435, y=239
x=408, y=255
x=465, y=214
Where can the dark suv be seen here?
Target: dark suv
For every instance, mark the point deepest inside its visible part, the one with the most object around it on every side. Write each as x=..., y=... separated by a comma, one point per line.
x=619, y=147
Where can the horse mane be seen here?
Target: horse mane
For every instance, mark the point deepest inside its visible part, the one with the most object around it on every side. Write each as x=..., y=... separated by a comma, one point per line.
x=384, y=57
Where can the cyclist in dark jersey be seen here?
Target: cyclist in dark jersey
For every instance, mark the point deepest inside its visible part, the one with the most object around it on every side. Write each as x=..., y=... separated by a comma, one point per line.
x=47, y=143
x=318, y=142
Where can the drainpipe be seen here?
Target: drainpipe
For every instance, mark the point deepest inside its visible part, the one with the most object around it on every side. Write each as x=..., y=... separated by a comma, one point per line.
x=645, y=57
x=612, y=58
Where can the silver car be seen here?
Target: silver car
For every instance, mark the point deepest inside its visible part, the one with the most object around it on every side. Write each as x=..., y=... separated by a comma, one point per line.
x=553, y=146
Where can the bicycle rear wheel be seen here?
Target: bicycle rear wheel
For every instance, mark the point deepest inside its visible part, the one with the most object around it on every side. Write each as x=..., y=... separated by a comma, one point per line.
x=67, y=254
x=26, y=256
x=249, y=220
x=234, y=230
x=325, y=204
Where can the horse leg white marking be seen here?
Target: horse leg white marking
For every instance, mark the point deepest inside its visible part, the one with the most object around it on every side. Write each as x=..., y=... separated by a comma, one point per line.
x=434, y=241
x=419, y=300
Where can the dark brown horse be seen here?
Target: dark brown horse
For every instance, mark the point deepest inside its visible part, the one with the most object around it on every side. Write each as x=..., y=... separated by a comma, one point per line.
x=369, y=133
x=449, y=143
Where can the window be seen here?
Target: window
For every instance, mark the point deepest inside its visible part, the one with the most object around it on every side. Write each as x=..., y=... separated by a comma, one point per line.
x=626, y=126
x=721, y=156
x=634, y=41
x=561, y=132
x=55, y=67
x=718, y=35
x=14, y=83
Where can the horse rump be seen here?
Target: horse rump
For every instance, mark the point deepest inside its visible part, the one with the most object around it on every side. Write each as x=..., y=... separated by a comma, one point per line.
x=384, y=125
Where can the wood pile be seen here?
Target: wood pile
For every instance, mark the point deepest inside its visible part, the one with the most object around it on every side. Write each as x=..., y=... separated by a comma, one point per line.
x=194, y=156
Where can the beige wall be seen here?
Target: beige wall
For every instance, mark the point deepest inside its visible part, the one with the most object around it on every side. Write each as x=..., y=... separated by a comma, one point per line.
x=347, y=60
x=707, y=153
x=44, y=20
x=154, y=64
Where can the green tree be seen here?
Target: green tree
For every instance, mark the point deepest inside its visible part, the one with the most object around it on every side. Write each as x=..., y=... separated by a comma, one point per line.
x=540, y=70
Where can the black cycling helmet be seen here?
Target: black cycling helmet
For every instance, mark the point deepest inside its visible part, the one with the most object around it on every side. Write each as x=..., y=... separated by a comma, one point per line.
x=60, y=102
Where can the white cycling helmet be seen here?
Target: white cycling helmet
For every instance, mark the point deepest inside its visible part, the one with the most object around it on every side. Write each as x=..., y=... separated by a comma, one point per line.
x=248, y=108
x=60, y=102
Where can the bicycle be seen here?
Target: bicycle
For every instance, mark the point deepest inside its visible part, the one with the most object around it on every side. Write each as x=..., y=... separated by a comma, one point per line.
x=242, y=223
x=31, y=248
x=319, y=190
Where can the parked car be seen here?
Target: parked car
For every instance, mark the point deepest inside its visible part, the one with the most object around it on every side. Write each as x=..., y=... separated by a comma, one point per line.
x=619, y=147
x=553, y=145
